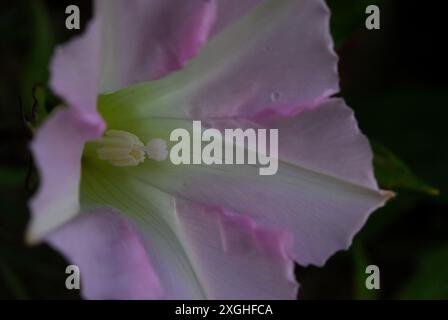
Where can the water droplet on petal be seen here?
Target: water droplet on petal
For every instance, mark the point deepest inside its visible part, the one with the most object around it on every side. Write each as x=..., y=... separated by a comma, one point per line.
x=267, y=48
x=275, y=96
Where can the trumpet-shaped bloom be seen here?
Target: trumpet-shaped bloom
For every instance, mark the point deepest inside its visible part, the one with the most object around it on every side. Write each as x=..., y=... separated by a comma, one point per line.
x=139, y=228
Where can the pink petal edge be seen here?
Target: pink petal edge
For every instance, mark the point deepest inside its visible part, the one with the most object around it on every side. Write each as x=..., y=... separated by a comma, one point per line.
x=234, y=258
x=112, y=261
x=57, y=149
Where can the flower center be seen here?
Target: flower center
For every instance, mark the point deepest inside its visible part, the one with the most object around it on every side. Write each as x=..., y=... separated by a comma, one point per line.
x=121, y=148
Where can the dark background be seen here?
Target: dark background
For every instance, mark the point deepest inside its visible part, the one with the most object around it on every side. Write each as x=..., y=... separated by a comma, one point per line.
x=395, y=79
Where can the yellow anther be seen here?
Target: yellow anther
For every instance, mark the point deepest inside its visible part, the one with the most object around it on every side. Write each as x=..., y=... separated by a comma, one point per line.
x=121, y=148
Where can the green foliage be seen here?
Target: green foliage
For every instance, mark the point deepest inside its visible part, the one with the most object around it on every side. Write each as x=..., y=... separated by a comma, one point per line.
x=347, y=17
x=12, y=281
x=12, y=177
x=393, y=174
x=361, y=261
x=35, y=74
x=431, y=278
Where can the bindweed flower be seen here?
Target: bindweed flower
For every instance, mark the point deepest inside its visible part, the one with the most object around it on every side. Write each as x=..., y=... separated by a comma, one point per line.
x=139, y=226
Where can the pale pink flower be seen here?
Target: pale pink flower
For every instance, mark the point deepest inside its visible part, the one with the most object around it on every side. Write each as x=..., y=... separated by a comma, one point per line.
x=157, y=230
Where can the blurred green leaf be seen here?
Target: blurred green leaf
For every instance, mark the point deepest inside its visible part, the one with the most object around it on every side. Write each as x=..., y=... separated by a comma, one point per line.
x=347, y=17
x=361, y=262
x=393, y=174
x=431, y=278
x=12, y=177
x=36, y=72
x=15, y=285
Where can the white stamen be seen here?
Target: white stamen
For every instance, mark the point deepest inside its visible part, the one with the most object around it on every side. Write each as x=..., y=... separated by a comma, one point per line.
x=157, y=150
x=121, y=148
